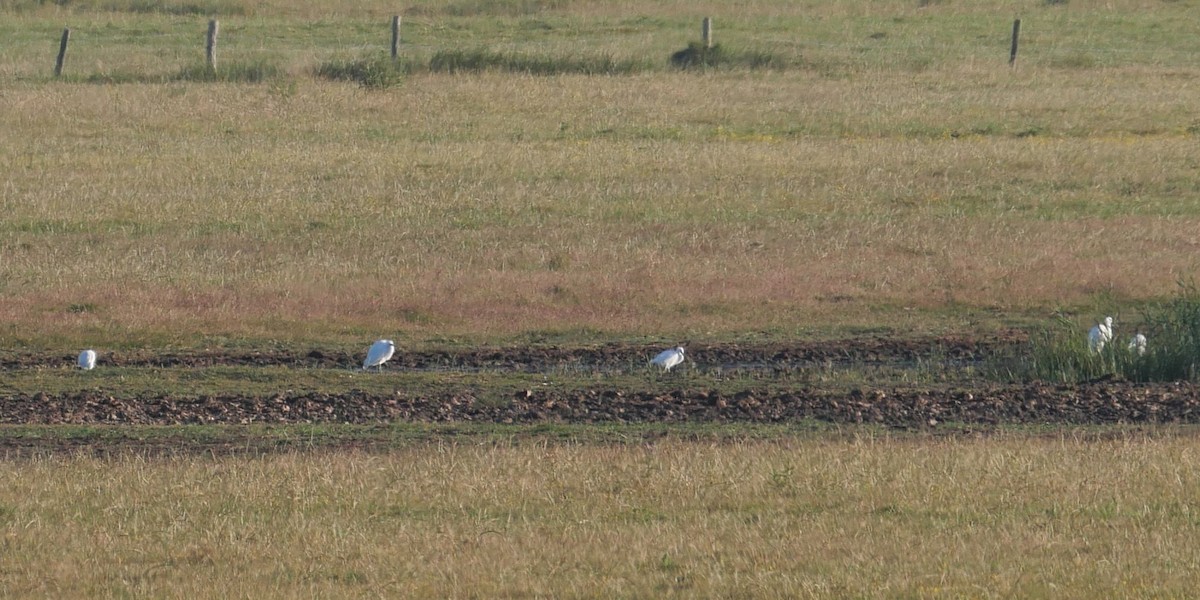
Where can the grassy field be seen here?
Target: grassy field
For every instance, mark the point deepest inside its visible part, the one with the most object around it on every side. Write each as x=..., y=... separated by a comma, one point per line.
x=881, y=172
x=895, y=175
x=869, y=515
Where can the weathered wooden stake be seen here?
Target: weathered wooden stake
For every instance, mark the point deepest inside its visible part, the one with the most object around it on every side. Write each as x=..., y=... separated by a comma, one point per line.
x=210, y=48
x=1012, y=55
x=62, y=52
x=706, y=32
x=395, y=36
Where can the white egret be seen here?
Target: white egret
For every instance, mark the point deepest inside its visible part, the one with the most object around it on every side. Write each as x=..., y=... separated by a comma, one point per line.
x=668, y=358
x=1100, y=334
x=1137, y=344
x=379, y=353
x=87, y=360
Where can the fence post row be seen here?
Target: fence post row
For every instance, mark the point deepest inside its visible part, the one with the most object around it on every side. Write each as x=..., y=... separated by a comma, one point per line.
x=62, y=52
x=210, y=47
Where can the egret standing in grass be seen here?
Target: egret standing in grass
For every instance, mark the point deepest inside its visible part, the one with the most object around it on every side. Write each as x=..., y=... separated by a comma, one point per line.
x=87, y=360
x=668, y=358
x=379, y=353
x=1137, y=344
x=1100, y=334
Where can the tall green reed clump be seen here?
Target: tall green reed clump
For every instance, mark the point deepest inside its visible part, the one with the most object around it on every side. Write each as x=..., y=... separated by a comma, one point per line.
x=1061, y=352
x=1172, y=329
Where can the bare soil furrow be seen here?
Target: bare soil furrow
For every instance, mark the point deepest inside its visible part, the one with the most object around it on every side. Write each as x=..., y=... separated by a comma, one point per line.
x=1111, y=402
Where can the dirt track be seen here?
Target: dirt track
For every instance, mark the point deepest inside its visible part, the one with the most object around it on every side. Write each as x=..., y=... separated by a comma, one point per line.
x=979, y=402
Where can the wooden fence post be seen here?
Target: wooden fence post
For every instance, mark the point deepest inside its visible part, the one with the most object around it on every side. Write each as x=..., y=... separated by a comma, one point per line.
x=1012, y=55
x=706, y=32
x=62, y=52
x=210, y=48
x=395, y=36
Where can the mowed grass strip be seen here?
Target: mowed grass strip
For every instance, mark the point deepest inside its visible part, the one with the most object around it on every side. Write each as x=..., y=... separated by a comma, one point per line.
x=874, y=516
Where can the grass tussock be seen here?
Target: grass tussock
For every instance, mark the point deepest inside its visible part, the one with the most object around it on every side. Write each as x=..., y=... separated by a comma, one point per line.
x=481, y=60
x=795, y=518
x=699, y=56
x=258, y=71
x=374, y=72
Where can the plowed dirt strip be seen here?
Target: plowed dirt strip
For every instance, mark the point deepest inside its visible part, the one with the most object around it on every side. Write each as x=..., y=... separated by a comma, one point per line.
x=1114, y=402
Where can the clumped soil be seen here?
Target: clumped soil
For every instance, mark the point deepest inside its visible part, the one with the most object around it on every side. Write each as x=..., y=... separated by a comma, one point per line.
x=1090, y=403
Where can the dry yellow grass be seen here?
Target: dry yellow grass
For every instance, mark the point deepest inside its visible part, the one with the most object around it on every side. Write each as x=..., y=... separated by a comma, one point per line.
x=620, y=204
x=1055, y=516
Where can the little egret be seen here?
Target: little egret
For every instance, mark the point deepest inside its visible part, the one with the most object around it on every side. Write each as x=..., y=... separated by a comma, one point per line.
x=87, y=360
x=1137, y=344
x=1100, y=334
x=379, y=353
x=668, y=358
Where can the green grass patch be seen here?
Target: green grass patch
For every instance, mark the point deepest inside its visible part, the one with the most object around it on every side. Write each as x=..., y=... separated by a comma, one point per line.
x=489, y=387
